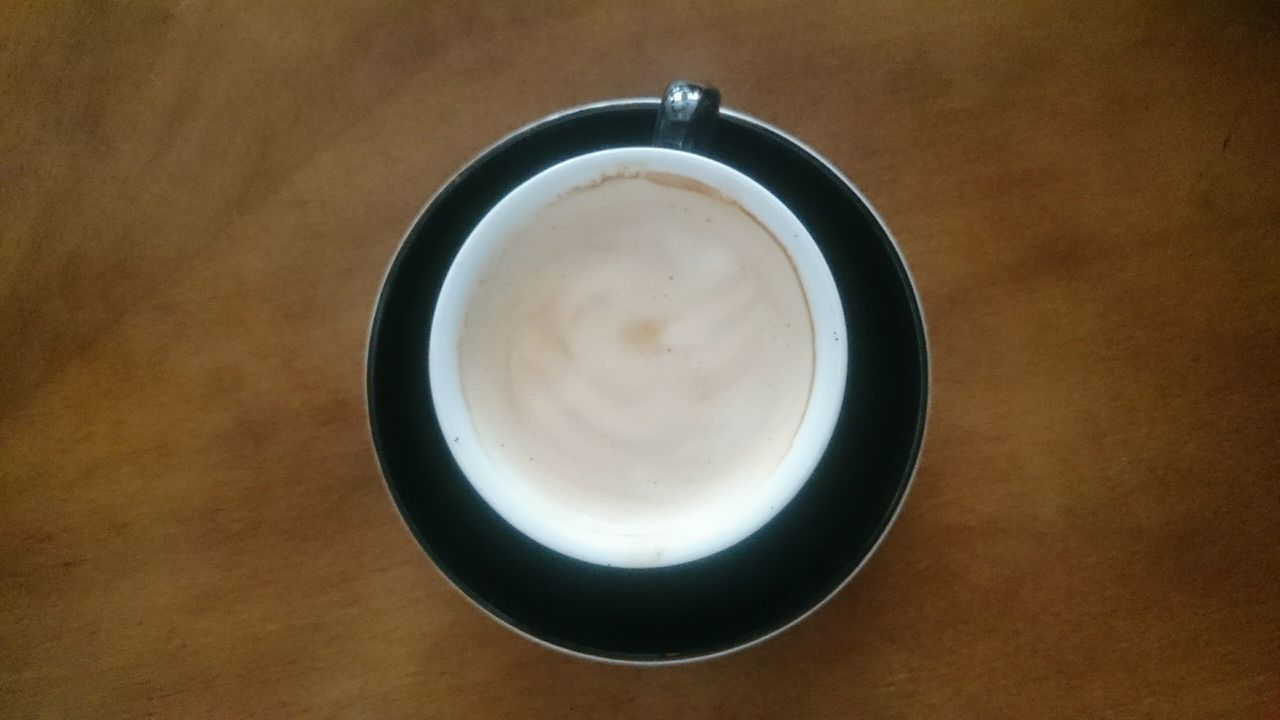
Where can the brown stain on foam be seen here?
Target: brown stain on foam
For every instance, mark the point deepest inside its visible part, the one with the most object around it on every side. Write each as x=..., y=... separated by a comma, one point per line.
x=644, y=335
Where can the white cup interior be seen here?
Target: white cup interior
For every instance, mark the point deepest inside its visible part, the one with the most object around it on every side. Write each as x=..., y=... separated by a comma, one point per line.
x=560, y=527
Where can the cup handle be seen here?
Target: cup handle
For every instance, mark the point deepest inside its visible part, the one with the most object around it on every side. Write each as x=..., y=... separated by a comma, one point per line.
x=687, y=115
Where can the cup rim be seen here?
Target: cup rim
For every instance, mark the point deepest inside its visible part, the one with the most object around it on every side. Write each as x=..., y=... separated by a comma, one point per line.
x=905, y=483
x=702, y=531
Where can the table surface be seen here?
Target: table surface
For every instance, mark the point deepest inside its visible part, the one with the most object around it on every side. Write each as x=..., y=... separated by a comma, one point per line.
x=199, y=200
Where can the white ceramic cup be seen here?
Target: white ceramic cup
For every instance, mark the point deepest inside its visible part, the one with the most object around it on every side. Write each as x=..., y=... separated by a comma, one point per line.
x=636, y=544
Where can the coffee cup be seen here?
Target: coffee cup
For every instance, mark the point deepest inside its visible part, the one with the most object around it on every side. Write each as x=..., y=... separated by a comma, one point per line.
x=647, y=379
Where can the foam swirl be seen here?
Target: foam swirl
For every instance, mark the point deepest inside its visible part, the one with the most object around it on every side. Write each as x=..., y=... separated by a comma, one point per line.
x=639, y=350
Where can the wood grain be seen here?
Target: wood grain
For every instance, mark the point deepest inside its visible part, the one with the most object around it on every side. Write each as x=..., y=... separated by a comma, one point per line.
x=198, y=200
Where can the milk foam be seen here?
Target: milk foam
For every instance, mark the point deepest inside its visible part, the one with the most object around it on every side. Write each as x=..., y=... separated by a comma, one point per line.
x=640, y=351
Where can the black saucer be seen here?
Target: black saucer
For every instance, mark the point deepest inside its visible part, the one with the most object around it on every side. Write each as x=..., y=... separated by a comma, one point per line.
x=729, y=599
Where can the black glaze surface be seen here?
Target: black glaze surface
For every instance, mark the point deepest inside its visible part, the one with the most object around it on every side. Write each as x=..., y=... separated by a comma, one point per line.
x=733, y=597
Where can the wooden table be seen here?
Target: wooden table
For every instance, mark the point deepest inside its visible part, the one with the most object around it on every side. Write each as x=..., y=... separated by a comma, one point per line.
x=197, y=202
